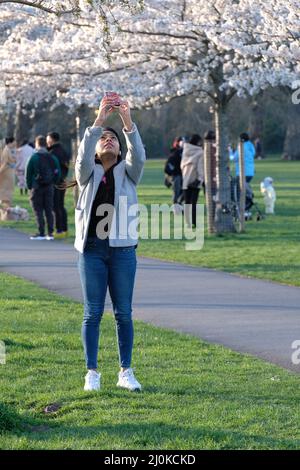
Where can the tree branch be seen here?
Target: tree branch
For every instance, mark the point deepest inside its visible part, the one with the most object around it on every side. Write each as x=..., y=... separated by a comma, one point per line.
x=39, y=5
x=150, y=33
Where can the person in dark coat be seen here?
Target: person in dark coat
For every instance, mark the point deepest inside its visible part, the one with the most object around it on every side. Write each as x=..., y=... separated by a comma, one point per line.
x=41, y=174
x=173, y=169
x=258, y=149
x=61, y=217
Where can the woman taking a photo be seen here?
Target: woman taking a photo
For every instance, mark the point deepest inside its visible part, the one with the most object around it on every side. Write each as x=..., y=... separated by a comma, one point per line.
x=107, y=257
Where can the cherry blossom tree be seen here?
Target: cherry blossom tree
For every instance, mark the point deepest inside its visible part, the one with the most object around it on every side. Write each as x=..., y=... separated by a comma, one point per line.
x=53, y=7
x=75, y=8
x=85, y=13
x=212, y=50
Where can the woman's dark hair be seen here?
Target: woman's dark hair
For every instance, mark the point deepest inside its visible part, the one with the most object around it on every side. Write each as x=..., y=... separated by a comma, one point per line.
x=9, y=140
x=71, y=184
x=176, y=142
x=54, y=136
x=210, y=135
x=110, y=129
x=195, y=139
x=244, y=137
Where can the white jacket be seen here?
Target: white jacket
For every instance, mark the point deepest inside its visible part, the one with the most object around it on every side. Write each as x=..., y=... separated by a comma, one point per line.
x=23, y=155
x=127, y=175
x=192, y=165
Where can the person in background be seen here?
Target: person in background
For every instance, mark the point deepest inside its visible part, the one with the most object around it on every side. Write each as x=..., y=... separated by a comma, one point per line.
x=7, y=172
x=61, y=216
x=24, y=152
x=42, y=172
x=173, y=169
x=249, y=154
x=258, y=149
x=192, y=167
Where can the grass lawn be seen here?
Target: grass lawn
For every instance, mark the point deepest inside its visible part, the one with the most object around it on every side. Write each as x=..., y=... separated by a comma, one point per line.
x=268, y=250
x=196, y=395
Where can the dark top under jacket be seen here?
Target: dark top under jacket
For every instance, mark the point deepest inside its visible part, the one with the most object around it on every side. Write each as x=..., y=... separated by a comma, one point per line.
x=105, y=195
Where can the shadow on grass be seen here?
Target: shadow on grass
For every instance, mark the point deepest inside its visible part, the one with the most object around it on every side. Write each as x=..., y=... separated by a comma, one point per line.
x=153, y=434
x=18, y=344
x=13, y=423
x=160, y=435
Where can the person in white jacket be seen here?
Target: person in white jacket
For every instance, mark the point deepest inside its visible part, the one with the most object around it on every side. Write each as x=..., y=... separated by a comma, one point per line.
x=107, y=250
x=24, y=152
x=192, y=167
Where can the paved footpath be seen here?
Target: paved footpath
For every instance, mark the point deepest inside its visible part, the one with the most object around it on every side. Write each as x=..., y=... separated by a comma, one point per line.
x=247, y=315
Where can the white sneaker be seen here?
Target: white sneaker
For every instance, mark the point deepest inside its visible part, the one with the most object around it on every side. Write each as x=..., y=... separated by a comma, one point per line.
x=49, y=237
x=178, y=209
x=38, y=237
x=92, y=381
x=127, y=380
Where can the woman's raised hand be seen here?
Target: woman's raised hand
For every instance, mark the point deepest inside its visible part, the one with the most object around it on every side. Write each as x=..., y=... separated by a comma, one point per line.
x=107, y=106
x=124, y=113
x=110, y=103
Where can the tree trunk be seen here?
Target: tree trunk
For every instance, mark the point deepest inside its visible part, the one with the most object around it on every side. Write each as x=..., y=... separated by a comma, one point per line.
x=291, y=149
x=10, y=119
x=223, y=216
x=242, y=185
x=210, y=204
x=41, y=120
x=23, y=125
x=83, y=112
x=256, y=120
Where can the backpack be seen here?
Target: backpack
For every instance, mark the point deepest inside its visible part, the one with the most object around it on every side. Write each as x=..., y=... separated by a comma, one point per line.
x=47, y=170
x=169, y=168
x=168, y=181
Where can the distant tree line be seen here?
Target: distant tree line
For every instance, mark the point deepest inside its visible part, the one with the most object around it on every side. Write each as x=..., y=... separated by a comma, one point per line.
x=271, y=116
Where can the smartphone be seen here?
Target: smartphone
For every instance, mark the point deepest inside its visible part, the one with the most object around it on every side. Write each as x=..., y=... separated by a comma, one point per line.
x=112, y=94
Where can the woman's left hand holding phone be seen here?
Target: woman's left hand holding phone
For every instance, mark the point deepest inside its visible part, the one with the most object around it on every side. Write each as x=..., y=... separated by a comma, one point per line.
x=107, y=106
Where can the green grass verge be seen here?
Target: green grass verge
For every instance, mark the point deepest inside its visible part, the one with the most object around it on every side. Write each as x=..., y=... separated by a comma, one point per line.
x=268, y=250
x=196, y=395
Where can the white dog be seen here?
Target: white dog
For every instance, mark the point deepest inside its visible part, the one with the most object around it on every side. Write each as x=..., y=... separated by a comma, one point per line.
x=266, y=188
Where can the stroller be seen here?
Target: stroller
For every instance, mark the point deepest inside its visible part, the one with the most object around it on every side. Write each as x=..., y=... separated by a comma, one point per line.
x=249, y=201
x=251, y=204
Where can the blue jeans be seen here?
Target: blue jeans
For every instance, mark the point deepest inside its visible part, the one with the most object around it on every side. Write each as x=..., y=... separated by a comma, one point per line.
x=177, y=190
x=101, y=266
